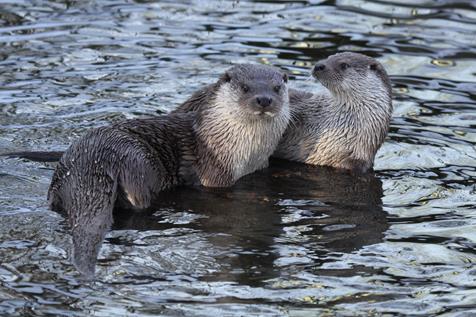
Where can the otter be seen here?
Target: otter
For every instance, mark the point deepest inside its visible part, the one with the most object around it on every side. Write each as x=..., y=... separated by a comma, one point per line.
x=342, y=127
x=129, y=163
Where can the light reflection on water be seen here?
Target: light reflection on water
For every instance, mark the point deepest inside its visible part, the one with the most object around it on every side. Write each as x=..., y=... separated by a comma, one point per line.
x=289, y=241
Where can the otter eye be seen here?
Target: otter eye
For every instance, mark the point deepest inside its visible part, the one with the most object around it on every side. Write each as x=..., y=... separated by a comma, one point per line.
x=344, y=66
x=245, y=88
x=277, y=88
x=373, y=66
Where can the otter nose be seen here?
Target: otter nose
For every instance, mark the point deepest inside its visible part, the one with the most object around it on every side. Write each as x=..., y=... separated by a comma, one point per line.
x=264, y=101
x=319, y=67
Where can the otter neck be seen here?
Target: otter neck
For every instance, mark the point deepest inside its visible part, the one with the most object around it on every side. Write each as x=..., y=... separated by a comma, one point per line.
x=362, y=99
x=366, y=117
x=232, y=143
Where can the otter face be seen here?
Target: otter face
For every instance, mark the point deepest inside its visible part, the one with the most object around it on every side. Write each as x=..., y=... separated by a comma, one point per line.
x=352, y=74
x=254, y=90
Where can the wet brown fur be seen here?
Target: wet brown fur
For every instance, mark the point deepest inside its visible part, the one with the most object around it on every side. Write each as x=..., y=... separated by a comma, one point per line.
x=131, y=162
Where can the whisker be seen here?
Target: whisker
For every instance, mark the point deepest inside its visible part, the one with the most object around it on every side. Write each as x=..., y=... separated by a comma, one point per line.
x=309, y=78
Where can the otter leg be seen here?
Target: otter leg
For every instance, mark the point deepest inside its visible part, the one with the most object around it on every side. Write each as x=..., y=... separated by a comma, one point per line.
x=87, y=196
x=141, y=179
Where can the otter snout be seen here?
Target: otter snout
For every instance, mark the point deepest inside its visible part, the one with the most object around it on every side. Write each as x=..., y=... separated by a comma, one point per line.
x=319, y=67
x=318, y=70
x=264, y=101
x=263, y=104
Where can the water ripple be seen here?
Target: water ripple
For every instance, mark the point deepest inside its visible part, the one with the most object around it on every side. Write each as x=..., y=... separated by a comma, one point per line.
x=290, y=241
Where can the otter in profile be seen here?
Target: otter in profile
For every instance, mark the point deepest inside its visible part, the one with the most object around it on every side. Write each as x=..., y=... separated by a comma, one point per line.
x=342, y=127
x=243, y=117
x=346, y=125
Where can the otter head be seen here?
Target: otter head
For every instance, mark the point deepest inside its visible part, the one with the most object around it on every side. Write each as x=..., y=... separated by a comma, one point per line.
x=252, y=91
x=351, y=77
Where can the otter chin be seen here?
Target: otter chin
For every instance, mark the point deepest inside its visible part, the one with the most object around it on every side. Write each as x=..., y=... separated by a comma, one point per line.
x=129, y=163
x=344, y=126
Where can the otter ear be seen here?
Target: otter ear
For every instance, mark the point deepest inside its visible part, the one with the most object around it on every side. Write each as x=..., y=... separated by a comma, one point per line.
x=285, y=78
x=226, y=78
x=373, y=66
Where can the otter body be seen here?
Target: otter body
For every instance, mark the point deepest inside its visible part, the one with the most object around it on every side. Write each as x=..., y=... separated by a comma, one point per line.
x=139, y=157
x=344, y=126
x=130, y=163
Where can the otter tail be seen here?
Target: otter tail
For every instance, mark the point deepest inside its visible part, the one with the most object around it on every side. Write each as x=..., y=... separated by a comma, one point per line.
x=36, y=156
x=89, y=232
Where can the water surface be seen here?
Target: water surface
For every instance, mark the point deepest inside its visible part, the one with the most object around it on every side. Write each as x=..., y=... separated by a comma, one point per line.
x=288, y=241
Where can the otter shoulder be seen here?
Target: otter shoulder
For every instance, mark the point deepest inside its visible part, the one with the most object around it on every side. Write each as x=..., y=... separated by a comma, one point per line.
x=297, y=96
x=198, y=101
x=306, y=106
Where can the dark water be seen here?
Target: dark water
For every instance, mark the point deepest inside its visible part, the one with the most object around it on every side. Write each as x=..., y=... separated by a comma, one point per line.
x=289, y=241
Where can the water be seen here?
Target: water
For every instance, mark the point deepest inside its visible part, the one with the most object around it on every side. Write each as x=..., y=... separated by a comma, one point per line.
x=288, y=241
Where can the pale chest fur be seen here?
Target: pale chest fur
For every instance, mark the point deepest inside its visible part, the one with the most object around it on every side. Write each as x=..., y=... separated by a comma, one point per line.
x=240, y=144
x=326, y=134
x=259, y=142
x=344, y=135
